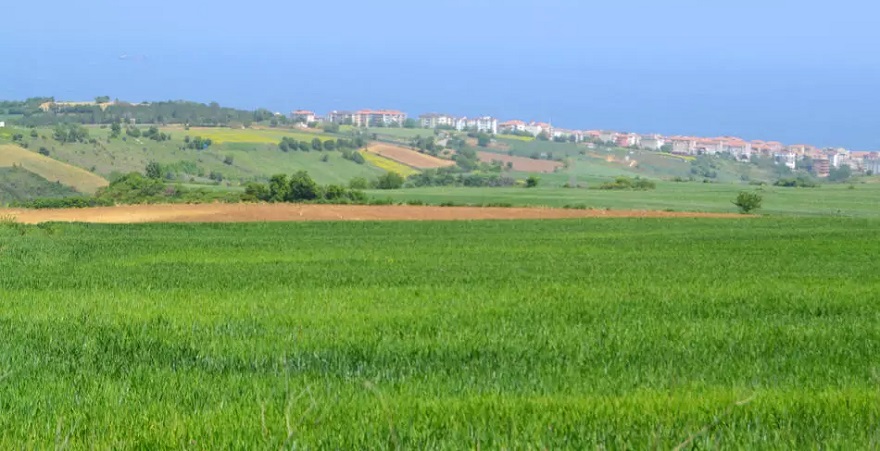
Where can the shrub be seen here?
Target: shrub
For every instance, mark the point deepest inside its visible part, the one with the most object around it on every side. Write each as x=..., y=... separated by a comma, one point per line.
x=358, y=183
x=532, y=181
x=748, y=201
x=391, y=180
x=627, y=183
x=302, y=187
x=153, y=170
x=256, y=192
x=798, y=182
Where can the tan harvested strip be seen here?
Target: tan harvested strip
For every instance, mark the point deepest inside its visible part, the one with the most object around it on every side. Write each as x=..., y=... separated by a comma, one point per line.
x=306, y=212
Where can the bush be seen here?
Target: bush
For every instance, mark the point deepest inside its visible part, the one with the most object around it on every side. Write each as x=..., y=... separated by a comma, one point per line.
x=358, y=183
x=302, y=187
x=532, y=181
x=748, y=201
x=64, y=202
x=256, y=192
x=799, y=182
x=391, y=180
x=627, y=183
x=153, y=170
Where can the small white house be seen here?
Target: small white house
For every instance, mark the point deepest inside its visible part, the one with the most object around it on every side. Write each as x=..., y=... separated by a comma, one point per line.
x=2, y=124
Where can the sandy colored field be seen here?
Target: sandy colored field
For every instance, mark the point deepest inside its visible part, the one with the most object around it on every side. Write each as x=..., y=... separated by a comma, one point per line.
x=407, y=156
x=307, y=212
x=521, y=163
x=51, y=170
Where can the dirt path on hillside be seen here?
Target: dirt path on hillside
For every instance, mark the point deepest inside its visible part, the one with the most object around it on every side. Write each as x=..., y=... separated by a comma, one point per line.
x=126, y=214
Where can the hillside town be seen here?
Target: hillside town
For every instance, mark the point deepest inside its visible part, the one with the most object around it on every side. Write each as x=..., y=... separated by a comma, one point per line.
x=822, y=159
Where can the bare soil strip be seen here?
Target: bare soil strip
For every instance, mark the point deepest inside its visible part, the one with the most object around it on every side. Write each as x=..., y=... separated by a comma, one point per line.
x=128, y=214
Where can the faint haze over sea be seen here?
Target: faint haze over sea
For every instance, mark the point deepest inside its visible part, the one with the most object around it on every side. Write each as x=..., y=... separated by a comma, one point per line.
x=791, y=71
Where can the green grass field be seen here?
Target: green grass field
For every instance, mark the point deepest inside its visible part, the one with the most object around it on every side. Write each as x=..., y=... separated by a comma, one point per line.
x=403, y=134
x=579, y=334
x=863, y=200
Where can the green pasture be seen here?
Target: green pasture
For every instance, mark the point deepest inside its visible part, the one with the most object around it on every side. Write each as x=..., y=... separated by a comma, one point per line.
x=862, y=200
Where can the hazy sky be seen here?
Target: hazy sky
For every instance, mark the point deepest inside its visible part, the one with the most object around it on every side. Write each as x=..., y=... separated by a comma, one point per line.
x=796, y=71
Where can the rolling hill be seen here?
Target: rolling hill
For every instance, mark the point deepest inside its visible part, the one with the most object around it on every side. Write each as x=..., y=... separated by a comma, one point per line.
x=50, y=169
x=19, y=184
x=236, y=156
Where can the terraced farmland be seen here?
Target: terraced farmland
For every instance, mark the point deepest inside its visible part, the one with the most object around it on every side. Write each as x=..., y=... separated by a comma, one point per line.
x=571, y=334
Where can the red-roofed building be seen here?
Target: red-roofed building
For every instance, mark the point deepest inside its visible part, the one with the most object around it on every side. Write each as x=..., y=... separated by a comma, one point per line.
x=303, y=116
x=512, y=126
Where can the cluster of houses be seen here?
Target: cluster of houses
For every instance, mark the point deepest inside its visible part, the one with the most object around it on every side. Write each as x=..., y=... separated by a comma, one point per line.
x=822, y=159
x=360, y=118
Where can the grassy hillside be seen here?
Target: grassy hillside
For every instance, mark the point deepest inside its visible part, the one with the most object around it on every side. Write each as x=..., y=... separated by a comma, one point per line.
x=250, y=135
x=50, y=169
x=580, y=334
x=602, y=164
x=18, y=184
x=829, y=200
x=254, y=155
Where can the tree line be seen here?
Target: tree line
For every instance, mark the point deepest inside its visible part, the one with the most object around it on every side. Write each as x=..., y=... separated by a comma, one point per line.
x=288, y=144
x=169, y=112
x=300, y=187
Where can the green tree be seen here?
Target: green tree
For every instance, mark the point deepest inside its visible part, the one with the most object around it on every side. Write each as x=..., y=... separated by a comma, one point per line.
x=358, y=183
x=317, y=144
x=748, y=201
x=279, y=188
x=532, y=181
x=391, y=180
x=329, y=145
x=483, y=140
x=256, y=191
x=302, y=187
x=841, y=174
x=153, y=170
x=467, y=159
x=115, y=130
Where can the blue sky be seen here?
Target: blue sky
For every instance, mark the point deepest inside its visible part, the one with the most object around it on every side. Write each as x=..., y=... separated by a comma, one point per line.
x=792, y=71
